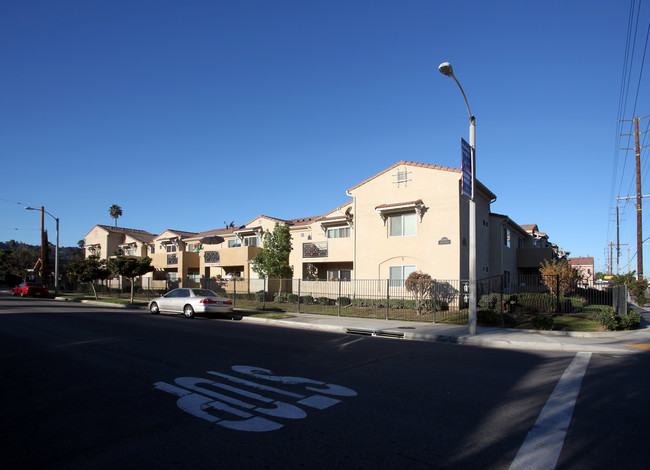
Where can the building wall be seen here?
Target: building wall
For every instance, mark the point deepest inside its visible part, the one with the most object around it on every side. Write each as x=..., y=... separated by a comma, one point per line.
x=436, y=246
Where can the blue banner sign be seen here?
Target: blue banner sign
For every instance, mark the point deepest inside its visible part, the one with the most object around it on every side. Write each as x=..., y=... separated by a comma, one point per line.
x=466, y=152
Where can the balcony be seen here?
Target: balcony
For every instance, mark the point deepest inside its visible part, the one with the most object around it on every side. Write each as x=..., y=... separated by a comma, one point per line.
x=314, y=250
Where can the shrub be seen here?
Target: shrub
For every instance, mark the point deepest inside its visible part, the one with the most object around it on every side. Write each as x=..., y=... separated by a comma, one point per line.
x=489, y=301
x=542, y=322
x=631, y=321
x=613, y=322
x=280, y=297
x=292, y=298
x=489, y=317
x=259, y=296
x=308, y=299
x=323, y=301
x=344, y=301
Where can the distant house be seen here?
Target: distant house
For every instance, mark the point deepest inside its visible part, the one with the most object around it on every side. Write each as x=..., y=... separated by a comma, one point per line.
x=585, y=266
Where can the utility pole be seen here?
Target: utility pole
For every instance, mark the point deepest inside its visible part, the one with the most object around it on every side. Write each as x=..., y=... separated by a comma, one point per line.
x=639, y=199
x=639, y=209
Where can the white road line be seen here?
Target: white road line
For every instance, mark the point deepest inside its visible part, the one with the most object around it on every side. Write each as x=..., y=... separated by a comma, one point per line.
x=543, y=444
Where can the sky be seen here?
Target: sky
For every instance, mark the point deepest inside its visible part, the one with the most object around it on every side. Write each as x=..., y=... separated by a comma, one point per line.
x=195, y=113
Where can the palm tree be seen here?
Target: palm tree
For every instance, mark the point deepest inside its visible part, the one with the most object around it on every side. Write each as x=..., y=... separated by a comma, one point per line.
x=115, y=211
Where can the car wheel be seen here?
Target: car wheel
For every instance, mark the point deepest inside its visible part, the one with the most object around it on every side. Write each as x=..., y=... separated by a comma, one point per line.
x=188, y=311
x=154, y=309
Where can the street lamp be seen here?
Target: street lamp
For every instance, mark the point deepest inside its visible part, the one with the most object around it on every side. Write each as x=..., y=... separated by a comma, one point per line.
x=446, y=69
x=56, y=251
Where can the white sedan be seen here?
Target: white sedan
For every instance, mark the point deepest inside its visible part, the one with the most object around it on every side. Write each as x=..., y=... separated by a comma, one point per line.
x=190, y=301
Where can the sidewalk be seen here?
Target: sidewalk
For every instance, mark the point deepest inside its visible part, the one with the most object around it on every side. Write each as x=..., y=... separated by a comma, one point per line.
x=599, y=342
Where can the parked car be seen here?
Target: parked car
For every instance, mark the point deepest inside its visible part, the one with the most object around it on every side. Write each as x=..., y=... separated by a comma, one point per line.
x=31, y=288
x=190, y=301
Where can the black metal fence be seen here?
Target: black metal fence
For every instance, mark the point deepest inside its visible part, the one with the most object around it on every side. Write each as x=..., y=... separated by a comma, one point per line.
x=549, y=294
x=426, y=300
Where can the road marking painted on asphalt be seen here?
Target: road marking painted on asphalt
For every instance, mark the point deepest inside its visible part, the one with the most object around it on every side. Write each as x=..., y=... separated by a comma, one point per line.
x=543, y=444
x=207, y=399
x=640, y=346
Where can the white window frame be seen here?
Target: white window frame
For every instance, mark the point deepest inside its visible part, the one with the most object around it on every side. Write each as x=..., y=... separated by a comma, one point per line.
x=403, y=271
x=403, y=217
x=252, y=238
x=338, y=232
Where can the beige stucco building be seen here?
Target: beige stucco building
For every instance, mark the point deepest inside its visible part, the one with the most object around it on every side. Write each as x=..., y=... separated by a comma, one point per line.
x=408, y=217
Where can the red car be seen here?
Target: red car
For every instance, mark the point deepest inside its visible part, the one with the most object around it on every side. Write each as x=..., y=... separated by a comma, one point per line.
x=31, y=288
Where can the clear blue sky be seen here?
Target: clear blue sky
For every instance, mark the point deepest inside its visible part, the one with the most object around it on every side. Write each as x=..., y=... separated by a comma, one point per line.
x=189, y=114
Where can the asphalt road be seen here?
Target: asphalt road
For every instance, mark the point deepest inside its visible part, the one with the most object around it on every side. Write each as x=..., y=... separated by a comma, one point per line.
x=93, y=387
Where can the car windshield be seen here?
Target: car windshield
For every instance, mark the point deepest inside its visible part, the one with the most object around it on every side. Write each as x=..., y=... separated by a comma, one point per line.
x=203, y=293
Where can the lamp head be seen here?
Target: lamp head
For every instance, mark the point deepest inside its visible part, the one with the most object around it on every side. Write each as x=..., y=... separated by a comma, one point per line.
x=31, y=209
x=445, y=69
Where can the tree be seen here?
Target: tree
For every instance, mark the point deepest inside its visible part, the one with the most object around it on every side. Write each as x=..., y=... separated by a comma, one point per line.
x=129, y=267
x=559, y=270
x=88, y=270
x=623, y=279
x=115, y=211
x=81, y=243
x=421, y=285
x=22, y=259
x=272, y=261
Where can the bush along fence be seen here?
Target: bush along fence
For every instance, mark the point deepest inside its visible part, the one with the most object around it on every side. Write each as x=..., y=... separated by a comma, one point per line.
x=549, y=294
x=426, y=300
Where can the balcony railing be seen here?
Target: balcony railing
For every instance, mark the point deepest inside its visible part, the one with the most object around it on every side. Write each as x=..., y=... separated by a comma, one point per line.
x=211, y=257
x=314, y=250
x=172, y=258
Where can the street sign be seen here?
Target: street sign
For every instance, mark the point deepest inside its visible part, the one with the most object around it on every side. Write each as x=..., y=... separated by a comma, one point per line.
x=466, y=152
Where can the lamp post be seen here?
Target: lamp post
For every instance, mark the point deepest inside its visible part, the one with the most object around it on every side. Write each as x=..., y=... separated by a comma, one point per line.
x=446, y=69
x=56, y=251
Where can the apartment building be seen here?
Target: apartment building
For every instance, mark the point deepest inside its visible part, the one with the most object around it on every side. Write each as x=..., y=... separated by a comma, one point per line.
x=104, y=241
x=408, y=217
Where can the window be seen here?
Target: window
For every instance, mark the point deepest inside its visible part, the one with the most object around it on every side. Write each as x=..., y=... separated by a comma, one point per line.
x=398, y=274
x=339, y=274
x=339, y=232
x=506, y=237
x=506, y=279
x=170, y=248
x=129, y=251
x=172, y=276
x=234, y=243
x=172, y=258
x=193, y=247
x=252, y=241
x=485, y=223
x=152, y=250
x=485, y=269
x=402, y=225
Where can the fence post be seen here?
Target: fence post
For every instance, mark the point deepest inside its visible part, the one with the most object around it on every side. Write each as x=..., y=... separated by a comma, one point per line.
x=387, y=296
x=433, y=296
x=298, y=295
x=264, y=296
x=339, y=298
x=557, y=293
x=234, y=293
x=501, y=298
